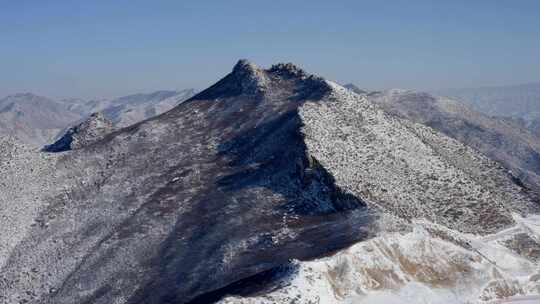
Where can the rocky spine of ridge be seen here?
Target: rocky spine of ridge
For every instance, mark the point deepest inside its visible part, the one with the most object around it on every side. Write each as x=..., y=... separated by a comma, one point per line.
x=93, y=129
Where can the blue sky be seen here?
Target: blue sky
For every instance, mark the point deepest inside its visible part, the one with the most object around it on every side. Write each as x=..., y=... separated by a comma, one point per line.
x=111, y=48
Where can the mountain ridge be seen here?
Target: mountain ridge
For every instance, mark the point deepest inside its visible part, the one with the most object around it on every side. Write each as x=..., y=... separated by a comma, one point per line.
x=517, y=148
x=263, y=167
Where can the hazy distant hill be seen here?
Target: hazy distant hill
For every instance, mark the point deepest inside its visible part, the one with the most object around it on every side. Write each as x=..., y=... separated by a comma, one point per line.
x=130, y=109
x=37, y=120
x=262, y=169
x=517, y=101
x=33, y=119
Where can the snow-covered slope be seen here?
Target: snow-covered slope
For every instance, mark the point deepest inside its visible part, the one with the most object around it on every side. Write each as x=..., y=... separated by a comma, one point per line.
x=216, y=197
x=503, y=140
x=90, y=131
x=430, y=264
x=407, y=168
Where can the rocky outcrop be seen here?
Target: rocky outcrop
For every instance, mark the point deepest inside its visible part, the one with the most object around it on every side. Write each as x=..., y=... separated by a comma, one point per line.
x=90, y=131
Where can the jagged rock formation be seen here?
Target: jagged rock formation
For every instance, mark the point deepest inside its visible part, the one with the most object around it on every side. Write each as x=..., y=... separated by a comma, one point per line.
x=225, y=189
x=92, y=130
x=503, y=140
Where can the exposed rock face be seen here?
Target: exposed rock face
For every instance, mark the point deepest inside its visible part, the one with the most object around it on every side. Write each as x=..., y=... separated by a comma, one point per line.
x=263, y=167
x=503, y=140
x=93, y=129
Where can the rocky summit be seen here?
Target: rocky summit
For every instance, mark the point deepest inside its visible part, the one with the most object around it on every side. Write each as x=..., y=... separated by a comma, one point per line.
x=271, y=186
x=93, y=129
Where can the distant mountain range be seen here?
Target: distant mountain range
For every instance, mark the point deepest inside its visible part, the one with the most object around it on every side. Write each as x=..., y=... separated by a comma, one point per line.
x=33, y=119
x=521, y=102
x=37, y=120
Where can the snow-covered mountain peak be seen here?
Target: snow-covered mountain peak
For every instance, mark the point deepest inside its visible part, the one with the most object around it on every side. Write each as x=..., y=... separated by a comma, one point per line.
x=249, y=77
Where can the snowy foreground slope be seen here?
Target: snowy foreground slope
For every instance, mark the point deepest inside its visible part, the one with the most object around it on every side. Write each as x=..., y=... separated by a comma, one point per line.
x=271, y=184
x=430, y=264
x=414, y=173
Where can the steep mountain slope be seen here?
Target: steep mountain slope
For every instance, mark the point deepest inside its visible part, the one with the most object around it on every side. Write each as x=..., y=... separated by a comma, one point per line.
x=220, y=193
x=23, y=182
x=34, y=120
x=500, y=139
